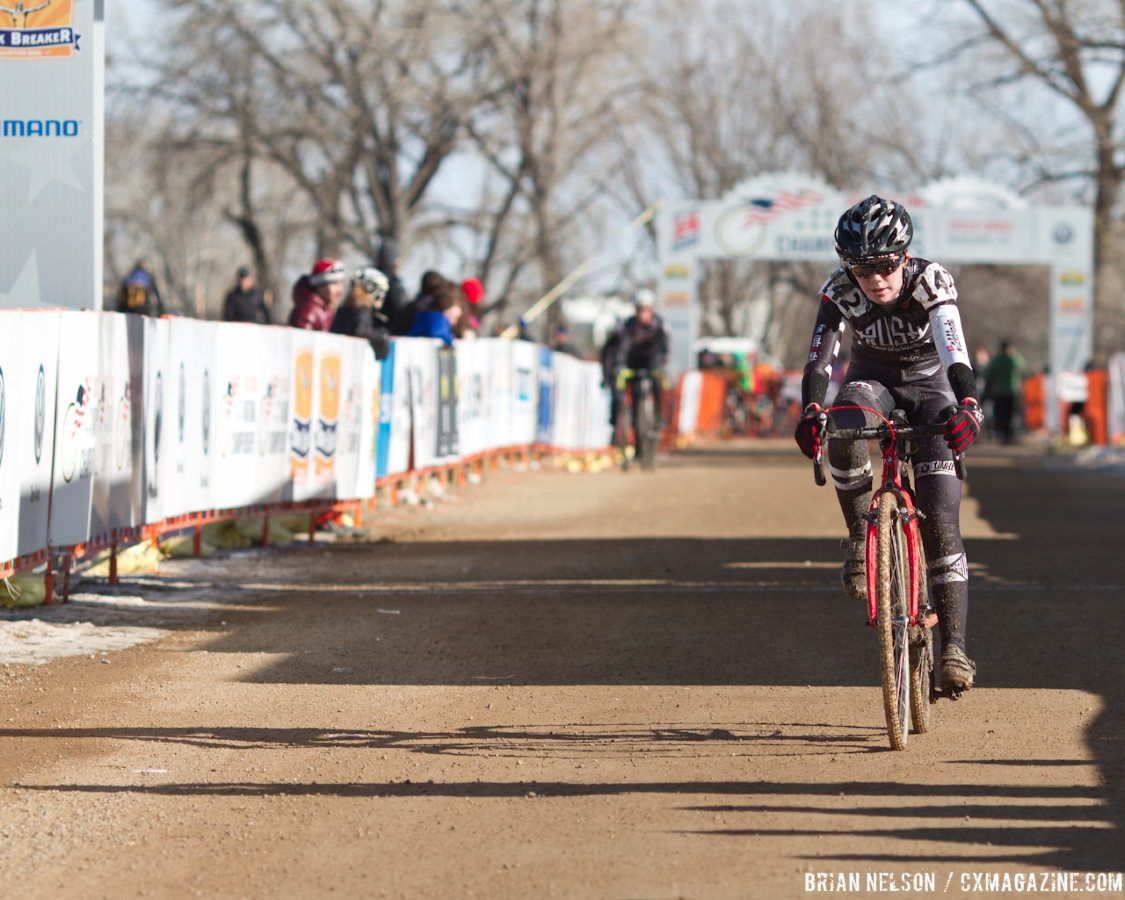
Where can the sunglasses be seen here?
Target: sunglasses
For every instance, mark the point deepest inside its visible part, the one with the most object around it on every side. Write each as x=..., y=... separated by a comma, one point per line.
x=884, y=268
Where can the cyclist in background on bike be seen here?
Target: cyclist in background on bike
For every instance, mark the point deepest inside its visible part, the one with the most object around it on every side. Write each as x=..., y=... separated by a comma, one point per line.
x=909, y=352
x=642, y=343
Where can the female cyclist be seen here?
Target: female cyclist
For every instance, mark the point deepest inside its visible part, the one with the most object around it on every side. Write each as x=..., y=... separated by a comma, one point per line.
x=908, y=352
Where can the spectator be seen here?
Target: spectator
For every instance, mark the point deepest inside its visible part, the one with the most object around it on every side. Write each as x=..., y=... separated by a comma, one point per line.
x=439, y=320
x=562, y=342
x=395, y=302
x=315, y=295
x=472, y=292
x=246, y=302
x=360, y=313
x=1003, y=383
x=432, y=283
x=138, y=292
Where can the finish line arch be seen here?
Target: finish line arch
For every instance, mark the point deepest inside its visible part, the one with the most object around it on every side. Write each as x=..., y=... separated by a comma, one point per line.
x=792, y=217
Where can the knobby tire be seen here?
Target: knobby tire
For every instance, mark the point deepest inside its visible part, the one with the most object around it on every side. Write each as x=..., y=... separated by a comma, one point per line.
x=921, y=653
x=893, y=602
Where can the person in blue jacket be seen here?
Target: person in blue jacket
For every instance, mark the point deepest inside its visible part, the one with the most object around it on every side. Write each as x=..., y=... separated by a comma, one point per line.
x=439, y=319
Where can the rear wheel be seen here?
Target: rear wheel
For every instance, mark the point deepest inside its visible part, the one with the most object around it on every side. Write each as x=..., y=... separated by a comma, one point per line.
x=646, y=427
x=891, y=617
x=921, y=654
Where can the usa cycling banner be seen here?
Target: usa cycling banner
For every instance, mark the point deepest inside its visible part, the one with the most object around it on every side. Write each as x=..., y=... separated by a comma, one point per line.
x=447, y=439
x=30, y=444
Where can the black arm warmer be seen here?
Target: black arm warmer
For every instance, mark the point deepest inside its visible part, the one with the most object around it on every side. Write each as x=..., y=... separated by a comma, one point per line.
x=962, y=381
x=814, y=387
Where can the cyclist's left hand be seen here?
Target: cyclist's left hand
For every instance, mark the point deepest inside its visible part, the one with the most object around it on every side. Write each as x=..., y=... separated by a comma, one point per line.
x=962, y=424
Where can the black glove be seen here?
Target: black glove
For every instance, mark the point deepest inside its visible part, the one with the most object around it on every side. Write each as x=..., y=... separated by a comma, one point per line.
x=810, y=429
x=962, y=424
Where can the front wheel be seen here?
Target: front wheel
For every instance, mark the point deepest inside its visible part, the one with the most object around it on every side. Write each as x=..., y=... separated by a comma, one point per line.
x=892, y=617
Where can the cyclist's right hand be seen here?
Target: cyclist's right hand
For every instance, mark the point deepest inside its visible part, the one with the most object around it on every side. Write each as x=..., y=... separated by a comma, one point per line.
x=811, y=428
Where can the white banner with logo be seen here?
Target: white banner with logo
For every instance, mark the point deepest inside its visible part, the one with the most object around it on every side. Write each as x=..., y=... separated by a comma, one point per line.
x=424, y=397
x=77, y=413
x=525, y=393
x=115, y=420
x=156, y=408
x=32, y=443
x=11, y=369
x=473, y=396
x=190, y=472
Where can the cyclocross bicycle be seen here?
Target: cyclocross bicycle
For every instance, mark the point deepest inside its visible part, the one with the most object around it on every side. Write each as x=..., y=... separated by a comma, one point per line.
x=645, y=435
x=899, y=603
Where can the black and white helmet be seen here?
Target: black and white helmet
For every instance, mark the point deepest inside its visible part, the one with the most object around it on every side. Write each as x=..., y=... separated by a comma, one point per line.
x=874, y=228
x=373, y=281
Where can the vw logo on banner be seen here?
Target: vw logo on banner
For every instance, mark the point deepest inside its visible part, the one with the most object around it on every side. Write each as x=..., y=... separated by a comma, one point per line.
x=40, y=412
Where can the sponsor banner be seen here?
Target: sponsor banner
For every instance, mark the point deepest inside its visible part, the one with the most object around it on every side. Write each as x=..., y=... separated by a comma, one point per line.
x=424, y=397
x=52, y=144
x=447, y=447
x=565, y=419
x=500, y=394
x=399, y=440
x=1115, y=419
x=77, y=412
x=190, y=472
x=364, y=485
x=11, y=359
x=543, y=431
x=271, y=445
x=472, y=396
x=240, y=383
x=691, y=389
x=525, y=393
x=386, y=397
x=156, y=415
x=355, y=410
x=326, y=411
x=115, y=501
x=31, y=443
x=303, y=365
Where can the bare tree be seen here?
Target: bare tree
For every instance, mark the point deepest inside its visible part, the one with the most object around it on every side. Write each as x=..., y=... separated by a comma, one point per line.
x=557, y=83
x=1076, y=53
x=358, y=102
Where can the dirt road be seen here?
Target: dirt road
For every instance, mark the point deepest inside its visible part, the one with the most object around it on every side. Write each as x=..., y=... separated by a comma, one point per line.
x=581, y=686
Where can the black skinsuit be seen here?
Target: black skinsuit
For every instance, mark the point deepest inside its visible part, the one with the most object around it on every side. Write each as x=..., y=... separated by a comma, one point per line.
x=909, y=355
x=641, y=346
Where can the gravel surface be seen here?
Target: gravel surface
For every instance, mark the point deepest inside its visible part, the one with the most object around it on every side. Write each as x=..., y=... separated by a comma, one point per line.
x=587, y=686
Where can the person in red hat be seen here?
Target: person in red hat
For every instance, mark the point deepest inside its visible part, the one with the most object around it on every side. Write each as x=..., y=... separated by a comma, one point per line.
x=473, y=292
x=316, y=295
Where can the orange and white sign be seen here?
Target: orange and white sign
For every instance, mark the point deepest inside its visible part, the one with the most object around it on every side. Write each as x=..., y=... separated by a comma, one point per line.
x=37, y=29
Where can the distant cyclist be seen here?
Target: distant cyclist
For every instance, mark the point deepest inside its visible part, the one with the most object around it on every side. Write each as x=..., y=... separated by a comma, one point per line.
x=908, y=351
x=641, y=342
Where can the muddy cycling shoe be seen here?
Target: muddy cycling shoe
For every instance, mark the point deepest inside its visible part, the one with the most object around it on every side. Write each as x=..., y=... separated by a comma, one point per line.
x=854, y=575
x=957, y=670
